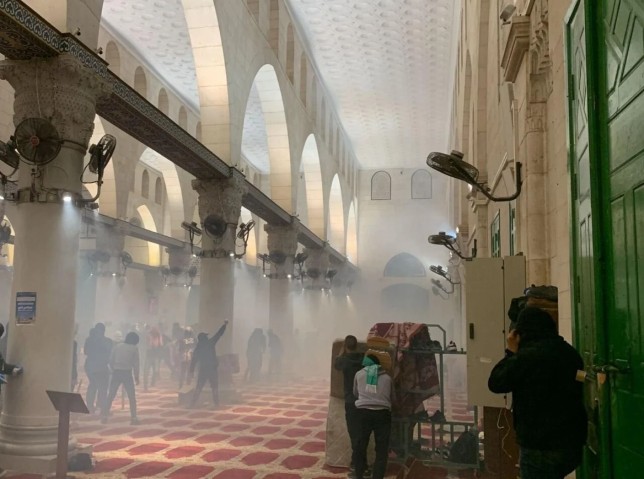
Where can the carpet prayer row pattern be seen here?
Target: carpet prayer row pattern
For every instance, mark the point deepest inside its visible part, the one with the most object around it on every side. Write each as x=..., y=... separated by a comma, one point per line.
x=275, y=432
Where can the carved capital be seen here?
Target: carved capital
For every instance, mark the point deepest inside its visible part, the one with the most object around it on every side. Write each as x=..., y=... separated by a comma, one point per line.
x=220, y=197
x=223, y=199
x=540, y=62
x=282, y=239
x=59, y=89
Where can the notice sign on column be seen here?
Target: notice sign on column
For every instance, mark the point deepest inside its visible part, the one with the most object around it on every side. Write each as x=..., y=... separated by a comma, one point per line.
x=25, y=308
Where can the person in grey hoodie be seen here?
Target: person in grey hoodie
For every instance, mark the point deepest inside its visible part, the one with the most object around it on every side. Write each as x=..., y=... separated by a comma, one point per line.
x=124, y=363
x=373, y=388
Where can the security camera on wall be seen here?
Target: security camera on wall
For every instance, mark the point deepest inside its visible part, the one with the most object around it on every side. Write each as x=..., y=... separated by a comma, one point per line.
x=507, y=12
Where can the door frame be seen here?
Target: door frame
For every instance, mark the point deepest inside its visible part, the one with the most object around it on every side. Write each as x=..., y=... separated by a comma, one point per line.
x=597, y=394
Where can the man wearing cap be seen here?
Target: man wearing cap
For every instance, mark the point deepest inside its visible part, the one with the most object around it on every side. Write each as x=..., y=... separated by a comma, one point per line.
x=540, y=369
x=373, y=388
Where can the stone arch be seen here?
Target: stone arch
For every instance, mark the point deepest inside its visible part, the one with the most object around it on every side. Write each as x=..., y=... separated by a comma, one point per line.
x=145, y=184
x=183, y=118
x=312, y=102
x=163, y=103
x=311, y=169
x=154, y=251
x=404, y=265
x=381, y=186
x=158, y=191
x=352, y=235
x=172, y=185
x=274, y=25
x=290, y=54
x=335, y=226
x=303, y=77
x=113, y=58
x=421, y=185
x=210, y=68
x=141, y=82
x=272, y=108
x=323, y=119
x=198, y=132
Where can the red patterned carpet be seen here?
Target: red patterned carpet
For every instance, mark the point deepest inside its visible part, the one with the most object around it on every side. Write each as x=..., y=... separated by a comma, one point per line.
x=276, y=432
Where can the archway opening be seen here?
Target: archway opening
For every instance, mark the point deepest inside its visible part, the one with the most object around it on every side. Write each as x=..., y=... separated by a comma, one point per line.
x=335, y=229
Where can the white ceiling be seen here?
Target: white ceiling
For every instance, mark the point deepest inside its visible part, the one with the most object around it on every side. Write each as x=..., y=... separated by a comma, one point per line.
x=157, y=32
x=387, y=66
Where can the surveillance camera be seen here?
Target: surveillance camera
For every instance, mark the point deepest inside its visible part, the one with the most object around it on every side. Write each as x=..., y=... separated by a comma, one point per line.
x=507, y=12
x=77, y=32
x=99, y=50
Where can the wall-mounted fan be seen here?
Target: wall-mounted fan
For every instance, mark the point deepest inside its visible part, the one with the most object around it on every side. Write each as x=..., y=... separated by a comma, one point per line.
x=37, y=141
x=453, y=165
x=214, y=226
x=101, y=153
x=277, y=257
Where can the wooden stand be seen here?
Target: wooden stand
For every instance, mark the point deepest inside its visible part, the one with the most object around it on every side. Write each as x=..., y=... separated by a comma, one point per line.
x=65, y=403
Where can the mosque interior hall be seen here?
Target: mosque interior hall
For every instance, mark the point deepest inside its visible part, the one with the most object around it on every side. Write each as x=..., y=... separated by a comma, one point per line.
x=239, y=236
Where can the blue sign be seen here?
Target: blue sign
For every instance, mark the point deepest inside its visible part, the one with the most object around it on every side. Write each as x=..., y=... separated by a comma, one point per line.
x=25, y=308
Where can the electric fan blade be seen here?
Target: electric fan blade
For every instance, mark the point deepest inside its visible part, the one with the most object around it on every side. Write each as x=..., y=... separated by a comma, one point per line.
x=37, y=140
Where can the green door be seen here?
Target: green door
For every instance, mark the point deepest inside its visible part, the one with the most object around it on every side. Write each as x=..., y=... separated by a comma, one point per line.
x=605, y=46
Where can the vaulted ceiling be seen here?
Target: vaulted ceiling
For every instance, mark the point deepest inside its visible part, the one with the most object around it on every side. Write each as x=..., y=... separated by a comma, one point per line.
x=386, y=65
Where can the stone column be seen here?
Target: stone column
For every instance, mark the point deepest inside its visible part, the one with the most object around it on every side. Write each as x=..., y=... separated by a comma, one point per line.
x=64, y=92
x=174, y=297
x=534, y=201
x=110, y=276
x=282, y=246
x=219, y=199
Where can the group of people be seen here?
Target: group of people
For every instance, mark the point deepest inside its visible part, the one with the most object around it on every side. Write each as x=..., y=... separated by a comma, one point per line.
x=542, y=371
x=255, y=350
x=111, y=364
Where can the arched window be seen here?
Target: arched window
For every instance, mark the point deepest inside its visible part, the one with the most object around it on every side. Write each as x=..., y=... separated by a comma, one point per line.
x=113, y=58
x=381, y=186
x=421, y=185
x=158, y=191
x=303, y=78
x=145, y=184
x=183, y=118
x=163, y=103
x=140, y=82
x=404, y=265
x=290, y=54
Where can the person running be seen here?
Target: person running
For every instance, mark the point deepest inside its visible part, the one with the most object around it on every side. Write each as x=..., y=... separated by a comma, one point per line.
x=124, y=364
x=204, y=358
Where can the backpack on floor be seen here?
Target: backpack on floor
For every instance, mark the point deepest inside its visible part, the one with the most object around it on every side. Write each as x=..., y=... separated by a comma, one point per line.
x=80, y=462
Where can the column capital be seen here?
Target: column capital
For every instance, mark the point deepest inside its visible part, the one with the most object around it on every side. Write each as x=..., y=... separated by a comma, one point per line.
x=282, y=239
x=220, y=199
x=60, y=89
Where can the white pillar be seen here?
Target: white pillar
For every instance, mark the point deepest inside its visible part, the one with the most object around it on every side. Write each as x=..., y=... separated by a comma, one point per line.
x=219, y=199
x=282, y=246
x=46, y=254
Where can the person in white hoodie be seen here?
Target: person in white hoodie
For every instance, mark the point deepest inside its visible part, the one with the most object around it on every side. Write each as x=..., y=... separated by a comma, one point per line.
x=124, y=364
x=373, y=388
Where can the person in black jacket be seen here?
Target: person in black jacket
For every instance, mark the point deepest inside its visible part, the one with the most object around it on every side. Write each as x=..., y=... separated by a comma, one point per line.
x=540, y=369
x=350, y=362
x=205, y=357
x=97, y=349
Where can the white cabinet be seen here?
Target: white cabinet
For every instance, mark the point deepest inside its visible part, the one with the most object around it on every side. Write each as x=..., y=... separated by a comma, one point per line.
x=490, y=284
